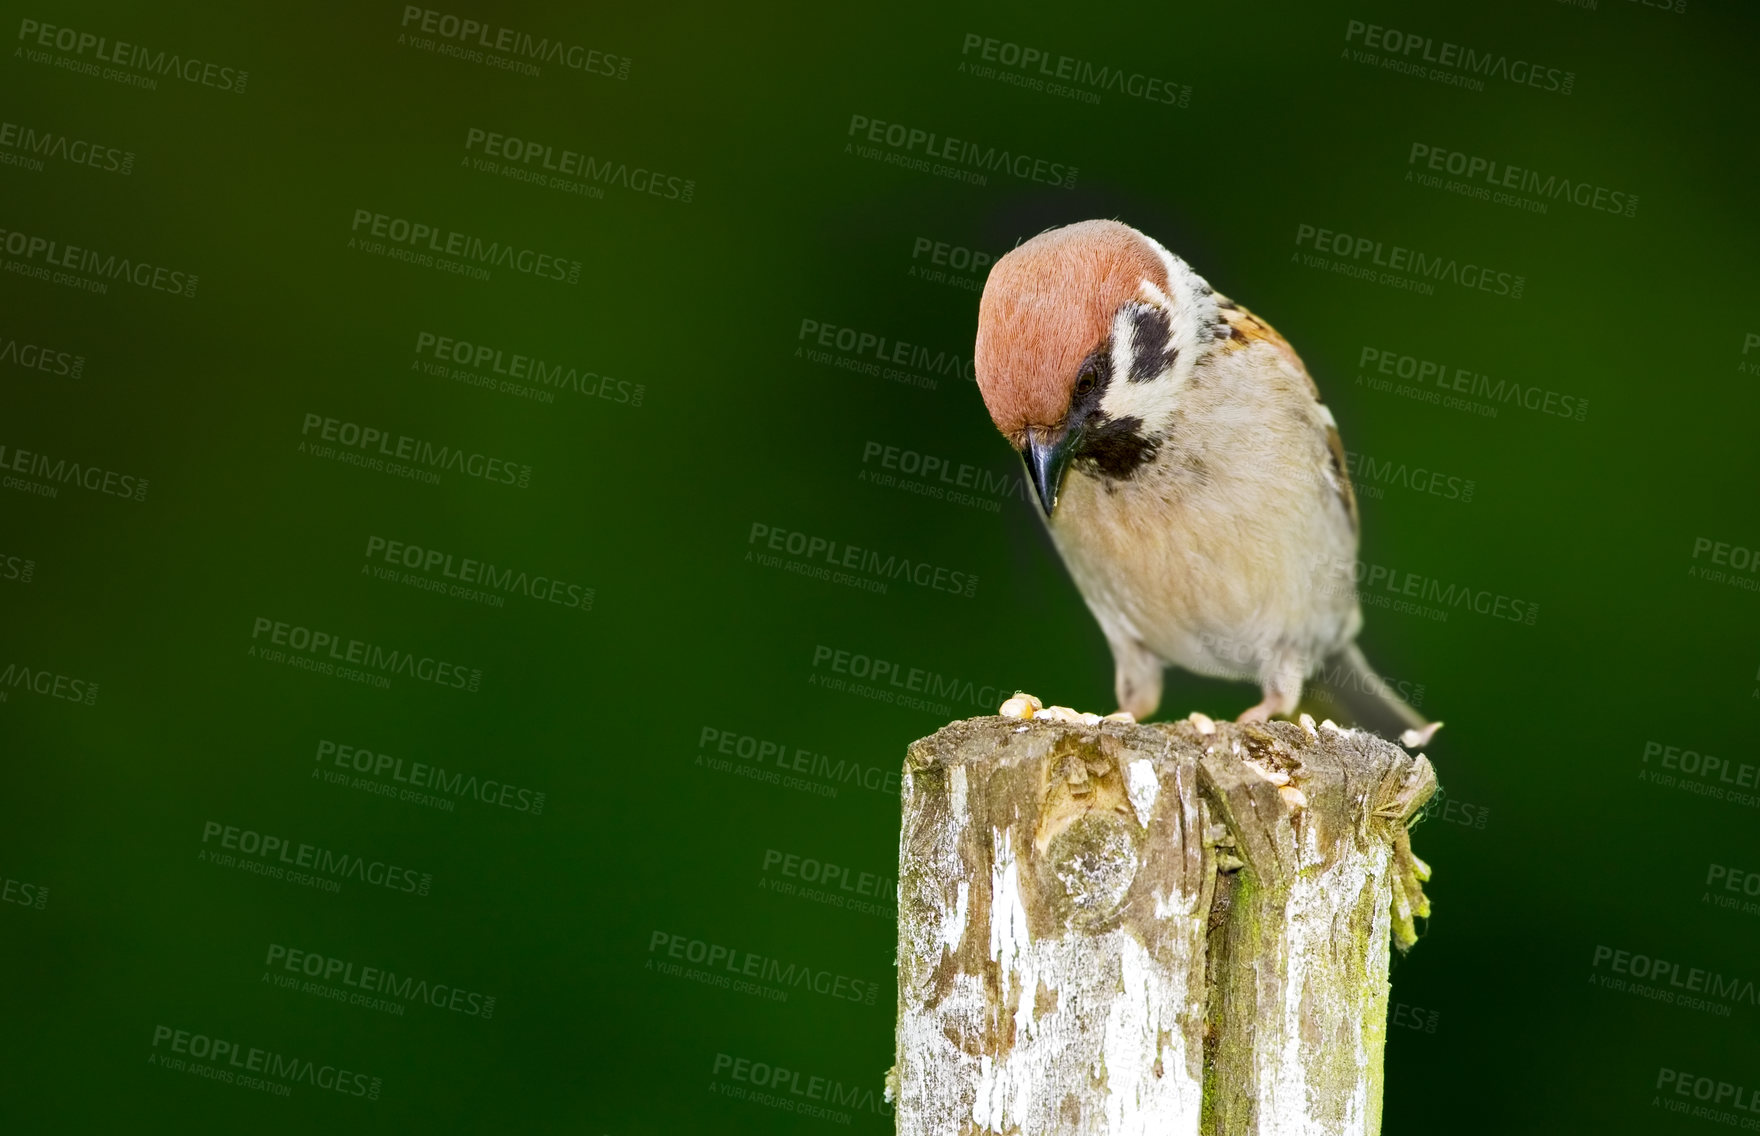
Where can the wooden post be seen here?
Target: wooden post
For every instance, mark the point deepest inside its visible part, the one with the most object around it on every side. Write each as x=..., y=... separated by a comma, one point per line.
x=1110, y=928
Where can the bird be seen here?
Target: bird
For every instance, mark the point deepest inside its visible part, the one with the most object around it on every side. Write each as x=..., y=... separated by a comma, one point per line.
x=1192, y=480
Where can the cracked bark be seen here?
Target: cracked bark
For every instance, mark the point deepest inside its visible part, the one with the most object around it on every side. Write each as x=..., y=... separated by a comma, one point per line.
x=1124, y=928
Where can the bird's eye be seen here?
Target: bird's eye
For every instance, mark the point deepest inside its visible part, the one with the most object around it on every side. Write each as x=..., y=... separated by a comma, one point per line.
x=1085, y=380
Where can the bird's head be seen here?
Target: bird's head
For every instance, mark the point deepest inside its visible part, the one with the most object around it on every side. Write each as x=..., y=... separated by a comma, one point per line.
x=1086, y=335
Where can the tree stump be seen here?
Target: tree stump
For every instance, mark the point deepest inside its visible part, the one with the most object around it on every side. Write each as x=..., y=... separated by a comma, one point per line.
x=1110, y=928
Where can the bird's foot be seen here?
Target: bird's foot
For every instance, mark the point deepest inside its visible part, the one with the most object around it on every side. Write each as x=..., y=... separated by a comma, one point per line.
x=1272, y=704
x=1026, y=708
x=1282, y=690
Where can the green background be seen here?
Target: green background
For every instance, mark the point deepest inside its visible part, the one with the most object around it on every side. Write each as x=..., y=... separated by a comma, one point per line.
x=1553, y=839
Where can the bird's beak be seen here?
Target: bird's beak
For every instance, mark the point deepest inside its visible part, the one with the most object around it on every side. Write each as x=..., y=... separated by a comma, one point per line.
x=1048, y=453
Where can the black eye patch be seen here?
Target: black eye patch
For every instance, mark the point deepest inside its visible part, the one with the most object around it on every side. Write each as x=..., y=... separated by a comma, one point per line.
x=1092, y=379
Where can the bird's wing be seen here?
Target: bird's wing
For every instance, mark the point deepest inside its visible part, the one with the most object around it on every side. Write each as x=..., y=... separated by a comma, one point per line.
x=1244, y=329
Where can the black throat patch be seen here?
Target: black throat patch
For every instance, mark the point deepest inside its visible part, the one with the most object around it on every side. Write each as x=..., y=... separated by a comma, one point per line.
x=1117, y=447
x=1112, y=447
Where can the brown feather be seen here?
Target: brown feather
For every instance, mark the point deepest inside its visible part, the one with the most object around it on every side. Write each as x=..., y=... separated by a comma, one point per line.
x=1245, y=329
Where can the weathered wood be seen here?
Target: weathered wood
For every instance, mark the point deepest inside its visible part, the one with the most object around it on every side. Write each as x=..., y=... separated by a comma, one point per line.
x=1113, y=928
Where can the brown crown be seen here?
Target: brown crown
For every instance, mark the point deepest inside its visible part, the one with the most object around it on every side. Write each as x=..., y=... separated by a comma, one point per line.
x=1047, y=304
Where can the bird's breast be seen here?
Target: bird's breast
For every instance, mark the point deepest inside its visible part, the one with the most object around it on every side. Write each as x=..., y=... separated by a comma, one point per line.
x=1211, y=556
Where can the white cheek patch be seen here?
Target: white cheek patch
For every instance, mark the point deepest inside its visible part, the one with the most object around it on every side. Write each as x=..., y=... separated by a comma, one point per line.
x=1148, y=402
x=1190, y=305
x=1123, y=356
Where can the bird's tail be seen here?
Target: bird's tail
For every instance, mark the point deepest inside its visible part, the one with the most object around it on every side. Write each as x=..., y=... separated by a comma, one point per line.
x=1347, y=680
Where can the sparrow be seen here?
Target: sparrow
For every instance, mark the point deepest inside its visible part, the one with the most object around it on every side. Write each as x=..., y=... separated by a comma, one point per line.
x=1192, y=480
